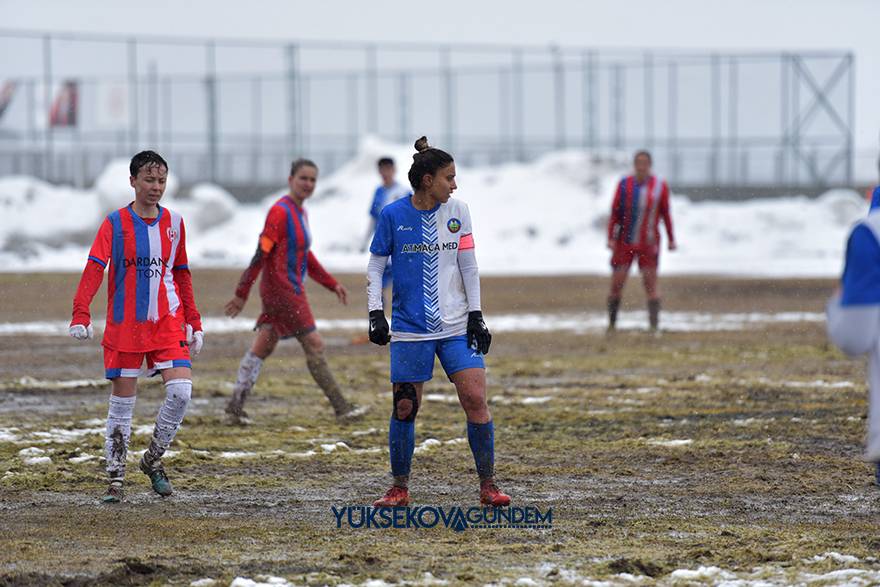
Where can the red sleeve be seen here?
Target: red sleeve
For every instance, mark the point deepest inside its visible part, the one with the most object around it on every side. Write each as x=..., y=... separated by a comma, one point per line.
x=276, y=225
x=183, y=279
x=247, y=279
x=318, y=273
x=613, y=221
x=89, y=283
x=665, y=213
x=180, y=259
x=92, y=275
x=273, y=232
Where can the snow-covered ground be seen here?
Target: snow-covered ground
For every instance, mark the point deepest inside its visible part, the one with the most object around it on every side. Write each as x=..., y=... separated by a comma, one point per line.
x=547, y=216
x=576, y=322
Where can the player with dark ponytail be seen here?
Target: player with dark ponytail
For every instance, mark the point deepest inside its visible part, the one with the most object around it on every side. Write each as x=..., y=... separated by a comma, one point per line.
x=435, y=311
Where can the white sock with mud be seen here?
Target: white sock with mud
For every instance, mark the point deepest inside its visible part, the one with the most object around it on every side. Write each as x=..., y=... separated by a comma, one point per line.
x=248, y=372
x=177, y=395
x=118, y=434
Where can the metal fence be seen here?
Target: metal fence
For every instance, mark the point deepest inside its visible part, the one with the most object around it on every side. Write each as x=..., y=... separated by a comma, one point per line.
x=236, y=112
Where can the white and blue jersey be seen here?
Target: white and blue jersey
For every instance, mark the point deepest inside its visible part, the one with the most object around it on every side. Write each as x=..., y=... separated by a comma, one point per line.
x=854, y=314
x=428, y=296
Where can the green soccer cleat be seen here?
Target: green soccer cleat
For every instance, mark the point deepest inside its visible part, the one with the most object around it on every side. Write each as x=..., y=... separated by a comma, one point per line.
x=158, y=478
x=115, y=493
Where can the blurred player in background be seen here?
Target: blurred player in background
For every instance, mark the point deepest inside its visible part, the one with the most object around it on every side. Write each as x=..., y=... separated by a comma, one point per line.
x=854, y=316
x=151, y=314
x=284, y=257
x=640, y=202
x=389, y=191
x=435, y=311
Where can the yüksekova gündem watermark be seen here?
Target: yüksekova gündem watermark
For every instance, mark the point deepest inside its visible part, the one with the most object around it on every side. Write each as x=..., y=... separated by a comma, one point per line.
x=456, y=518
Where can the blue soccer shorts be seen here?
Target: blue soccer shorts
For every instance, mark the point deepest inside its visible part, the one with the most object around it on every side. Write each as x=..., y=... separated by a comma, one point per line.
x=413, y=361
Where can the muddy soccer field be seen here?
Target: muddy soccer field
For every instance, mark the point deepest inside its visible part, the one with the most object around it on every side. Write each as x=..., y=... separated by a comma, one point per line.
x=701, y=456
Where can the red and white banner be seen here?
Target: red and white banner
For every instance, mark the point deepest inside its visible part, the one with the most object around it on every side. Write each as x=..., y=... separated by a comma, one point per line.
x=7, y=91
x=65, y=106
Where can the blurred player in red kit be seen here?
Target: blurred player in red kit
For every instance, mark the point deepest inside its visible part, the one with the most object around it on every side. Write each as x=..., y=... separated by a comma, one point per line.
x=641, y=201
x=284, y=258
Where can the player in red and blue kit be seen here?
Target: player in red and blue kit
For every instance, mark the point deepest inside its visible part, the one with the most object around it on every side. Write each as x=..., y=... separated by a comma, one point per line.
x=284, y=257
x=640, y=203
x=151, y=314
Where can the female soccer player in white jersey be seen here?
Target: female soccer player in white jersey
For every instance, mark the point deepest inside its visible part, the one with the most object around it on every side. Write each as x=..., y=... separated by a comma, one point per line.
x=435, y=311
x=151, y=314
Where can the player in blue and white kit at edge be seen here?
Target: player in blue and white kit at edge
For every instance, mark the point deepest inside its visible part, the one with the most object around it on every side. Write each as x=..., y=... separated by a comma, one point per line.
x=854, y=315
x=435, y=311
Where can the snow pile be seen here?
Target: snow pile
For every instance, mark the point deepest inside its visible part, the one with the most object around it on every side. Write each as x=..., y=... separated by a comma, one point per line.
x=547, y=216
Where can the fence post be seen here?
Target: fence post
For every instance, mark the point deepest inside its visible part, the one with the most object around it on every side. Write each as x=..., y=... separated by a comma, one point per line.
x=372, y=89
x=167, y=116
x=588, y=66
x=403, y=106
x=518, y=104
x=133, y=113
x=47, y=94
x=716, y=117
x=559, y=91
x=31, y=122
x=648, y=64
x=503, y=141
x=784, y=98
x=293, y=127
x=672, y=122
x=153, y=103
x=353, y=112
x=449, y=91
x=733, y=122
x=211, y=110
x=850, y=119
x=256, y=128
x=617, y=102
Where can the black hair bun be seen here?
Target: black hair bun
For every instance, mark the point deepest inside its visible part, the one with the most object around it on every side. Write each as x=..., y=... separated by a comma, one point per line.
x=422, y=144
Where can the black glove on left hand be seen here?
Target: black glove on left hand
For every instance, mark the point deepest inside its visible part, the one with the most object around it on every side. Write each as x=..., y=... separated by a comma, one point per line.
x=379, y=332
x=478, y=336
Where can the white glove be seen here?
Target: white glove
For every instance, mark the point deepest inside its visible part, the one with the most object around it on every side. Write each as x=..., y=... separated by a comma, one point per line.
x=195, y=340
x=81, y=331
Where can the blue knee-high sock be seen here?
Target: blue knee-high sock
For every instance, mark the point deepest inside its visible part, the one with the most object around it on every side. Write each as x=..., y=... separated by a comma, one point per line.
x=481, y=437
x=401, y=444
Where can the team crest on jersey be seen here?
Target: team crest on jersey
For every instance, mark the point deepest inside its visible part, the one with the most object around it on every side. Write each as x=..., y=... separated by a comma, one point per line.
x=454, y=225
x=172, y=234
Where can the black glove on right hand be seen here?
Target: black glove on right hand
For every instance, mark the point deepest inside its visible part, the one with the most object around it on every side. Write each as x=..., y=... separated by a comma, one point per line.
x=380, y=334
x=478, y=335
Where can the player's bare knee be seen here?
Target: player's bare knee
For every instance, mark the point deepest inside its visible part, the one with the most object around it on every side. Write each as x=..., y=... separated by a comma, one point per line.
x=406, y=402
x=313, y=347
x=474, y=403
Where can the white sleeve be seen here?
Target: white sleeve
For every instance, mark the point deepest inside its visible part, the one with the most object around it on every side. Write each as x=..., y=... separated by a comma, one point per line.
x=375, y=269
x=855, y=330
x=470, y=277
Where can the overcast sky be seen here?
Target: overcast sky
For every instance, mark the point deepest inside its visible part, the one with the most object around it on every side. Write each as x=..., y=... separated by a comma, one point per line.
x=703, y=24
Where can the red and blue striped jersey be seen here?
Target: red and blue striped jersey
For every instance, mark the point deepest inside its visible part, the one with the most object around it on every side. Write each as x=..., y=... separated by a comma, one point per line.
x=637, y=211
x=149, y=291
x=289, y=260
x=287, y=225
